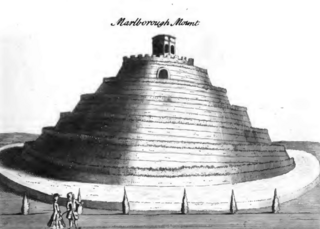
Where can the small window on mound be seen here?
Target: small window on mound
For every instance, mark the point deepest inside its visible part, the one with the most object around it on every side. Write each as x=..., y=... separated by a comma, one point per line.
x=163, y=74
x=166, y=48
x=172, y=49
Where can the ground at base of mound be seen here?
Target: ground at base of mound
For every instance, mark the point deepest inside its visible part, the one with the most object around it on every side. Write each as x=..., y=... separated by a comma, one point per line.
x=300, y=213
x=174, y=221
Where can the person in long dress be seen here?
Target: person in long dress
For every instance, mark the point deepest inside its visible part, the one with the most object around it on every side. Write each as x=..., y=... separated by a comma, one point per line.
x=56, y=220
x=72, y=214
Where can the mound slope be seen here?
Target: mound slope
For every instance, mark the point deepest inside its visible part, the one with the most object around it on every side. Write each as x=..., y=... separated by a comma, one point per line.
x=160, y=122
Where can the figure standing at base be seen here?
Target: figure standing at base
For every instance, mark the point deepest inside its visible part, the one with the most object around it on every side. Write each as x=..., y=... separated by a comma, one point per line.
x=72, y=214
x=56, y=220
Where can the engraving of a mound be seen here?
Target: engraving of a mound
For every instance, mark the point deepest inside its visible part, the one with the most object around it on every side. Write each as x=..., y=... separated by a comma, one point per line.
x=158, y=124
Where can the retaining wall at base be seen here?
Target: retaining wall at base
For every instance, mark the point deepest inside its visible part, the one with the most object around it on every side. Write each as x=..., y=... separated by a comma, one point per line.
x=112, y=167
x=202, y=175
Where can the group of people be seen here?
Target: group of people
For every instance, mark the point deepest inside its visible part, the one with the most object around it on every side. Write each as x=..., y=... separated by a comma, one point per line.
x=74, y=209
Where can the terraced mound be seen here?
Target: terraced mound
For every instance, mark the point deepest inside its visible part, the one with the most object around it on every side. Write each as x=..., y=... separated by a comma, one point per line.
x=159, y=122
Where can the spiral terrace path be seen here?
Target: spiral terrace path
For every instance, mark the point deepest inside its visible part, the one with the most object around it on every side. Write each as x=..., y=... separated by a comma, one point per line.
x=160, y=121
x=140, y=129
x=253, y=194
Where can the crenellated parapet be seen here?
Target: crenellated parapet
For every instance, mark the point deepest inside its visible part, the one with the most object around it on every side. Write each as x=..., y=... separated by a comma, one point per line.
x=163, y=58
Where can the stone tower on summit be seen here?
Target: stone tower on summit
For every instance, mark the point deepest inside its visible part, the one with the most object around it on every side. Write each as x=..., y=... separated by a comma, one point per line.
x=159, y=122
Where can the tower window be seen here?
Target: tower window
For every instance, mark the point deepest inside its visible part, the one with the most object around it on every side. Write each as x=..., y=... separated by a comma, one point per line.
x=157, y=48
x=163, y=74
x=166, y=48
x=172, y=49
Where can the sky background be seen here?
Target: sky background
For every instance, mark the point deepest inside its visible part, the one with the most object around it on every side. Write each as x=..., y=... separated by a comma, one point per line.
x=265, y=53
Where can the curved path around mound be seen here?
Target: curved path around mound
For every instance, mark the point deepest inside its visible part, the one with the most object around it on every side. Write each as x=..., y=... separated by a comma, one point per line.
x=249, y=195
